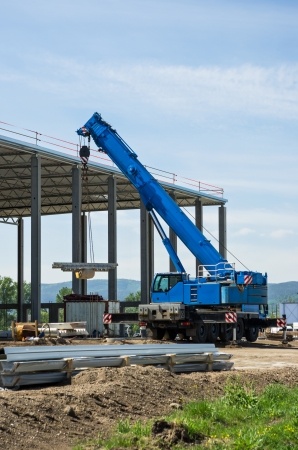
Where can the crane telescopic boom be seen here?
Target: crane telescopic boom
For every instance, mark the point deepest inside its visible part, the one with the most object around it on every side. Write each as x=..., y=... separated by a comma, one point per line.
x=154, y=197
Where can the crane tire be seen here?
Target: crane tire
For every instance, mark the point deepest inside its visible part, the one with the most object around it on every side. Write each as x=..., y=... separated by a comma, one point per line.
x=239, y=329
x=158, y=334
x=172, y=333
x=226, y=332
x=252, y=334
x=213, y=331
x=201, y=333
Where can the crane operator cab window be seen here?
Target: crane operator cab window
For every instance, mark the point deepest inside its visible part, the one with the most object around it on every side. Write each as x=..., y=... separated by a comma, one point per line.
x=165, y=282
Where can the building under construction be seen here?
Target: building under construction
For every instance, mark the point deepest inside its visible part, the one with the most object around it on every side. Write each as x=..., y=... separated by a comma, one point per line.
x=41, y=175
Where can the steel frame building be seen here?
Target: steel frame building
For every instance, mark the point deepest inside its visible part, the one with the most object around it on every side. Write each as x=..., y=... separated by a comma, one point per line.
x=37, y=181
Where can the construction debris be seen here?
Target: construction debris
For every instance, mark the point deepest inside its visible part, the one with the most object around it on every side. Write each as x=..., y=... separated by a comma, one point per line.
x=24, y=331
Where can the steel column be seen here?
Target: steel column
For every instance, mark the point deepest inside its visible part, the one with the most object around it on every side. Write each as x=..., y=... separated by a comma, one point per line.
x=76, y=224
x=173, y=238
x=222, y=231
x=84, y=248
x=151, y=249
x=54, y=311
x=147, y=253
x=199, y=225
x=112, y=236
x=35, y=237
x=20, y=317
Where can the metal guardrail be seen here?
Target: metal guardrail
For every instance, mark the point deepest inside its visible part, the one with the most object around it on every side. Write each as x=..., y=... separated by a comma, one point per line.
x=215, y=270
x=73, y=149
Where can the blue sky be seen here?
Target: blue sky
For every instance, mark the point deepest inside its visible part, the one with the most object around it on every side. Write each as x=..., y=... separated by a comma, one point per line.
x=207, y=90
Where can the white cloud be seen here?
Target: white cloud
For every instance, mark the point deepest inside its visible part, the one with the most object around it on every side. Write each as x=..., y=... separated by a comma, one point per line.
x=261, y=217
x=281, y=233
x=191, y=92
x=245, y=231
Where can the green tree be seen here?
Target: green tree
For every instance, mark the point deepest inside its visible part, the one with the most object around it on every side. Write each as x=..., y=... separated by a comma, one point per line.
x=27, y=292
x=8, y=290
x=133, y=297
x=63, y=291
x=290, y=299
x=59, y=299
x=8, y=294
x=44, y=315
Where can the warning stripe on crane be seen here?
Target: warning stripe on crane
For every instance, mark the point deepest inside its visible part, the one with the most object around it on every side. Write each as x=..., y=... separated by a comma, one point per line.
x=84, y=160
x=231, y=317
x=281, y=323
x=247, y=279
x=107, y=318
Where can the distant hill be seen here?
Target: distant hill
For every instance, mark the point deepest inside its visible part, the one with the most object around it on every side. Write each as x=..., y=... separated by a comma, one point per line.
x=277, y=292
x=100, y=287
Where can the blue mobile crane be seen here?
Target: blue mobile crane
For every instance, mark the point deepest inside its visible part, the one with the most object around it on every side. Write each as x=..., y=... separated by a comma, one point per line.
x=207, y=307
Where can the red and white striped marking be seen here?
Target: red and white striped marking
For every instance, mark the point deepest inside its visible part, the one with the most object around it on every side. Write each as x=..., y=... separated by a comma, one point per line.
x=281, y=323
x=107, y=318
x=84, y=159
x=247, y=279
x=231, y=317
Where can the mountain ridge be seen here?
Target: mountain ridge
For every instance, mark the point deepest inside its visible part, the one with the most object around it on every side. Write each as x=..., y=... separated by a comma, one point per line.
x=277, y=292
x=125, y=287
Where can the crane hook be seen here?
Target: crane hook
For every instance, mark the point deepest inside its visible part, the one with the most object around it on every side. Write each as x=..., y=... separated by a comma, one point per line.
x=84, y=155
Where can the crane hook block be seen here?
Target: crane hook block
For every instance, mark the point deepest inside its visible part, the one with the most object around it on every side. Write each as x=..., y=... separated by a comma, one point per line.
x=84, y=154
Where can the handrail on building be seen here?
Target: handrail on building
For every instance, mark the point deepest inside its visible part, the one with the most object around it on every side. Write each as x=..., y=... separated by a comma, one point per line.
x=73, y=149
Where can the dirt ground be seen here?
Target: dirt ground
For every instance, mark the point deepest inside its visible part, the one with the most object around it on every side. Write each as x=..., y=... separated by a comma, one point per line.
x=59, y=416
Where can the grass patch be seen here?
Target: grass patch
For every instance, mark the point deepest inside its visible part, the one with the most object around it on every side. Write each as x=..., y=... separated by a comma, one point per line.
x=239, y=420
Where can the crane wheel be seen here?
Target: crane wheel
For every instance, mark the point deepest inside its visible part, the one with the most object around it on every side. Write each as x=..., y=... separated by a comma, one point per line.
x=226, y=332
x=172, y=334
x=252, y=334
x=201, y=333
x=158, y=334
x=239, y=329
x=213, y=331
